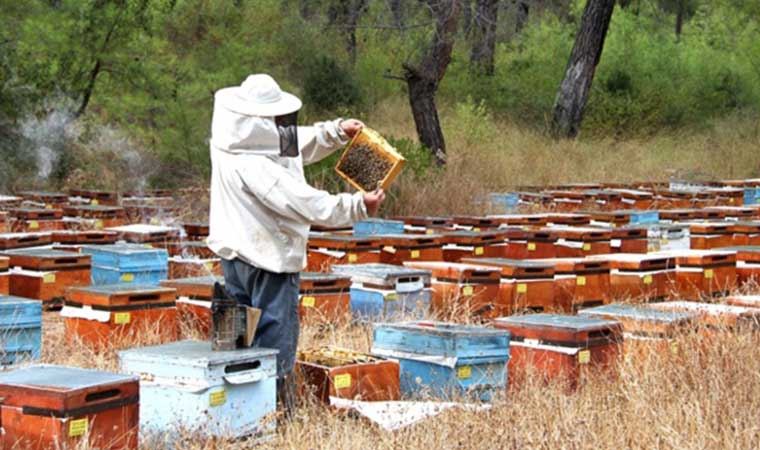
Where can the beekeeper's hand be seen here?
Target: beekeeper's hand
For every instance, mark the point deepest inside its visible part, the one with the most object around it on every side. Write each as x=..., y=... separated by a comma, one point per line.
x=351, y=126
x=372, y=201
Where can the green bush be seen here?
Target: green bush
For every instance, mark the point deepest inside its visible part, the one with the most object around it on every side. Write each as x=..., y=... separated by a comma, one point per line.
x=328, y=86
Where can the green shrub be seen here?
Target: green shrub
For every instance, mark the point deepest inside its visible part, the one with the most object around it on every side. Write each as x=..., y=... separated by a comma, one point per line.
x=328, y=86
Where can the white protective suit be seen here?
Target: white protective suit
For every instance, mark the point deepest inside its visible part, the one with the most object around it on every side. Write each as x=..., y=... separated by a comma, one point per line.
x=261, y=206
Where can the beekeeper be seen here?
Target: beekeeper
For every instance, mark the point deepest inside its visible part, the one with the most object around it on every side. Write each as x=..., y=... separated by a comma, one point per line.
x=262, y=206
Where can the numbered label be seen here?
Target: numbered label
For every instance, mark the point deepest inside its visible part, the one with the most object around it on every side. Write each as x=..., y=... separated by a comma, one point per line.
x=467, y=290
x=584, y=356
x=217, y=398
x=122, y=318
x=78, y=427
x=415, y=254
x=342, y=381
x=308, y=302
x=464, y=372
x=580, y=280
x=522, y=288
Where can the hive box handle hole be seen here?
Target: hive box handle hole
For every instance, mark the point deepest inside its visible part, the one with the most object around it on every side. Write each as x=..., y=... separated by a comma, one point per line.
x=102, y=395
x=234, y=368
x=143, y=298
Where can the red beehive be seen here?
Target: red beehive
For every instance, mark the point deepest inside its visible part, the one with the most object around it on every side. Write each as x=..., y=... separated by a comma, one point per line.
x=702, y=272
x=46, y=407
x=4, y=276
x=629, y=239
x=3, y=222
x=464, y=244
x=194, y=302
x=745, y=233
x=568, y=219
x=636, y=199
x=334, y=372
x=82, y=237
x=525, y=285
x=324, y=297
x=637, y=276
x=680, y=215
x=568, y=200
x=96, y=197
x=577, y=242
x=605, y=199
x=326, y=250
x=726, y=196
x=580, y=283
x=716, y=316
x=747, y=263
x=707, y=235
x=562, y=348
x=426, y=224
x=734, y=212
x=396, y=249
x=104, y=216
x=464, y=288
x=21, y=240
x=24, y=220
x=49, y=200
x=45, y=274
x=120, y=315
x=196, y=231
x=517, y=220
x=530, y=243
x=181, y=267
x=9, y=202
x=146, y=234
x=474, y=223
x=197, y=249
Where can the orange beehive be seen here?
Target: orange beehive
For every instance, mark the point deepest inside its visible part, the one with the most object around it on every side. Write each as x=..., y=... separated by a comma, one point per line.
x=577, y=242
x=326, y=250
x=96, y=197
x=605, y=200
x=747, y=263
x=120, y=315
x=395, y=249
x=460, y=288
x=686, y=214
x=334, y=372
x=48, y=200
x=324, y=297
x=426, y=224
x=474, y=223
x=181, y=267
x=47, y=407
x=734, y=212
x=188, y=249
x=146, y=234
x=32, y=220
x=525, y=285
x=707, y=235
x=194, y=302
x=517, y=220
x=81, y=237
x=579, y=283
x=8, y=202
x=560, y=348
x=716, y=316
x=701, y=273
x=629, y=239
x=196, y=231
x=465, y=244
x=5, y=276
x=45, y=274
x=637, y=276
x=569, y=200
x=568, y=219
x=745, y=233
x=103, y=216
x=530, y=243
x=636, y=199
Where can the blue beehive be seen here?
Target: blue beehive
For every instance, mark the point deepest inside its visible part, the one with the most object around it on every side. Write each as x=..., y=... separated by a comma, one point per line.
x=378, y=227
x=127, y=263
x=644, y=217
x=384, y=290
x=505, y=202
x=444, y=359
x=751, y=196
x=20, y=329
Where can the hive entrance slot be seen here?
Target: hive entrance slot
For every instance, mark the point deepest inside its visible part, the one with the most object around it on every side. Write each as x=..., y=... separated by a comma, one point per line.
x=241, y=367
x=65, y=261
x=143, y=297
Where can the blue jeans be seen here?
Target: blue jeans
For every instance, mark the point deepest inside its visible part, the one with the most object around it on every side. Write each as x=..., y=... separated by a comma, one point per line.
x=276, y=295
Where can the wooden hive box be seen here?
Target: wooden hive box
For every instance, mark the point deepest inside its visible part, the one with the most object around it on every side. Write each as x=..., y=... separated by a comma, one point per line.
x=716, y=316
x=474, y=223
x=104, y=216
x=368, y=145
x=682, y=214
x=636, y=199
x=396, y=249
x=747, y=263
x=707, y=235
x=464, y=289
x=579, y=283
x=734, y=212
x=464, y=244
x=194, y=302
x=700, y=273
x=575, y=242
x=637, y=276
x=517, y=220
x=5, y=276
x=197, y=249
x=325, y=250
x=335, y=372
x=568, y=200
x=96, y=197
x=561, y=348
x=568, y=219
x=120, y=315
x=196, y=230
x=49, y=200
x=82, y=237
x=378, y=227
x=605, y=199
x=630, y=239
x=9, y=202
x=324, y=297
x=54, y=406
x=426, y=224
x=183, y=267
x=146, y=234
x=45, y=274
x=531, y=243
x=745, y=233
x=26, y=220
x=525, y=285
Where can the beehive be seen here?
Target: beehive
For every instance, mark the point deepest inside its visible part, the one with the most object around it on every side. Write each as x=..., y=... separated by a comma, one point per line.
x=745, y=233
x=194, y=301
x=103, y=216
x=187, y=387
x=530, y=243
x=512, y=220
x=579, y=283
x=375, y=227
x=707, y=235
x=127, y=263
x=397, y=248
x=578, y=242
x=336, y=372
x=747, y=263
x=45, y=274
x=383, y=290
x=716, y=316
x=58, y=407
x=637, y=276
x=369, y=162
x=5, y=276
x=426, y=224
x=196, y=231
x=20, y=330
x=464, y=244
x=324, y=297
x=120, y=315
x=184, y=267
x=326, y=250
x=96, y=197
x=146, y=234
x=445, y=360
x=700, y=273
x=559, y=347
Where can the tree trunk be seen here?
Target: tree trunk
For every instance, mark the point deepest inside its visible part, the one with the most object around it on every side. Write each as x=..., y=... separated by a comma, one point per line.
x=680, y=12
x=521, y=14
x=484, y=39
x=423, y=78
x=579, y=74
x=467, y=17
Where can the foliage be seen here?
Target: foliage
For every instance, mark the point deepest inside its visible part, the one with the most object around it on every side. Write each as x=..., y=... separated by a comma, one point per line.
x=328, y=86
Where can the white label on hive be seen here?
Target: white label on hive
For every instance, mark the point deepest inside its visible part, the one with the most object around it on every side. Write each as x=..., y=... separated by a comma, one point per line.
x=122, y=318
x=217, y=398
x=389, y=249
x=48, y=278
x=584, y=356
x=581, y=280
x=308, y=301
x=342, y=381
x=127, y=277
x=467, y=290
x=464, y=372
x=78, y=427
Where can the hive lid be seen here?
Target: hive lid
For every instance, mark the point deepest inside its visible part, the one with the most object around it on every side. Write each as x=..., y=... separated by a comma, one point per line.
x=378, y=273
x=43, y=253
x=575, y=323
x=320, y=276
x=125, y=288
x=12, y=300
x=123, y=249
x=143, y=229
x=631, y=312
x=193, y=354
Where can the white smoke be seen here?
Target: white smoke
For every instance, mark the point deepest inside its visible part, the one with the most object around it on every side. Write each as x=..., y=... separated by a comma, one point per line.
x=48, y=132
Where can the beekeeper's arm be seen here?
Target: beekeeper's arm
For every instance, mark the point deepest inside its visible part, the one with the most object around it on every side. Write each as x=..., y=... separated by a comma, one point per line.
x=295, y=199
x=321, y=140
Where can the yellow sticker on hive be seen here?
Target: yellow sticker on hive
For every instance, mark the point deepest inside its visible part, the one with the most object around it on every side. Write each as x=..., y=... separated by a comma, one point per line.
x=586, y=247
x=476, y=229
x=647, y=279
x=48, y=278
x=392, y=297
x=94, y=202
x=522, y=288
x=99, y=224
x=581, y=280
x=479, y=251
x=342, y=381
x=352, y=258
x=674, y=347
x=78, y=427
x=122, y=318
x=584, y=356
x=467, y=290
x=33, y=225
x=208, y=265
x=308, y=302
x=415, y=254
x=709, y=273
x=48, y=206
x=429, y=231
x=464, y=372
x=531, y=246
x=127, y=277
x=217, y=398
